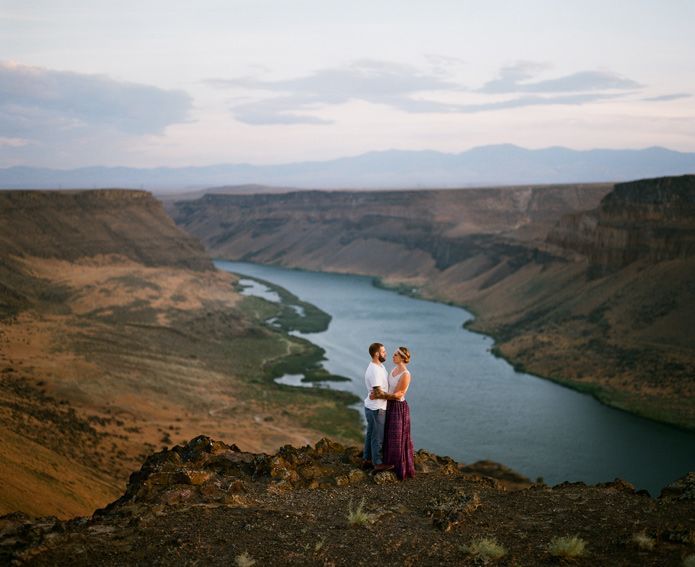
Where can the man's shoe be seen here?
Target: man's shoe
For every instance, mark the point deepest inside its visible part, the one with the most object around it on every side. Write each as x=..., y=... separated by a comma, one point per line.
x=366, y=465
x=383, y=467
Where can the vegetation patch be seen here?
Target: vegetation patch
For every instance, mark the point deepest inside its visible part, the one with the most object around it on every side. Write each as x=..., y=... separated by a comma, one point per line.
x=485, y=550
x=292, y=313
x=643, y=541
x=567, y=547
x=358, y=516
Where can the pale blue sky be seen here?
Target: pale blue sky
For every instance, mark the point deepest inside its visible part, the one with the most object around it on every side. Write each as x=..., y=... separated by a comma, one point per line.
x=181, y=83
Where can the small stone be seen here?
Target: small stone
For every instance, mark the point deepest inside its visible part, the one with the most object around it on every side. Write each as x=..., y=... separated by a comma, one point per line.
x=357, y=476
x=386, y=477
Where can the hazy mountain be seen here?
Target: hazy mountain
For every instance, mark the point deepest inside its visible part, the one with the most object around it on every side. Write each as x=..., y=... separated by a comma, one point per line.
x=488, y=165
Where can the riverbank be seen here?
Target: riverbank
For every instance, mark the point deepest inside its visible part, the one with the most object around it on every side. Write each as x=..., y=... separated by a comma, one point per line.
x=484, y=408
x=670, y=412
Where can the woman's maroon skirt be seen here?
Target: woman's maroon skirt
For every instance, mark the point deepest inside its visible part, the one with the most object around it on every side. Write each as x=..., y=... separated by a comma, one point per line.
x=398, y=445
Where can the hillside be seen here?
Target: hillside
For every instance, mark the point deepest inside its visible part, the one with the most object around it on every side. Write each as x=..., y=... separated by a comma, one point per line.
x=586, y=285
x=206, y=502
x=119, y=337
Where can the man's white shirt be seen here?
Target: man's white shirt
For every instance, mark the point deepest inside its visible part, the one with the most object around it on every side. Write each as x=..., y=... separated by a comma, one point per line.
x=375, y=375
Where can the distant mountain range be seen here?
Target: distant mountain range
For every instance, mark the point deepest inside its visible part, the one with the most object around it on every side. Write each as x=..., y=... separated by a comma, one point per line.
x=486, y=165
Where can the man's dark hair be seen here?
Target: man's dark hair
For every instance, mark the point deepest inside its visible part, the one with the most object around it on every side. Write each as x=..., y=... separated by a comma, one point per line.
x=374, y=348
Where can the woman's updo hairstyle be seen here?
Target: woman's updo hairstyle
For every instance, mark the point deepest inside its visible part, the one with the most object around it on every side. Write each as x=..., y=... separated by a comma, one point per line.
x=404, y=353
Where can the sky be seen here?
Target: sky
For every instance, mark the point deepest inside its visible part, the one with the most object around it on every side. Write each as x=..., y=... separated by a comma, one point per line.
x=176, y=83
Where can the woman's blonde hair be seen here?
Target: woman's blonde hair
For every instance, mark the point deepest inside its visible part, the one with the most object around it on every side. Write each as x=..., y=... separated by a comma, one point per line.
x=404, y=353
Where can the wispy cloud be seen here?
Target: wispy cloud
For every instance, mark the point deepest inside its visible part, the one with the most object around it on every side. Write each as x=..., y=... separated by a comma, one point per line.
x=377, y=82
x=36, y=101
x=667, y=97
x=515, y=79
x=411, y=90
x=533, y=100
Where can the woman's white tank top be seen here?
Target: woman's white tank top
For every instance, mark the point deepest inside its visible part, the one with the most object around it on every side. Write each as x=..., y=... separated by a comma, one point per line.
x=393, y=382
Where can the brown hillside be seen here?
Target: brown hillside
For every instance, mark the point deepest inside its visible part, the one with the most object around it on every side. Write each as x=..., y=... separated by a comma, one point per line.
x=117, y=336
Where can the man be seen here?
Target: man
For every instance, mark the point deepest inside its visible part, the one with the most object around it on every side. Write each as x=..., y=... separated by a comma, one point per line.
x=375, y=410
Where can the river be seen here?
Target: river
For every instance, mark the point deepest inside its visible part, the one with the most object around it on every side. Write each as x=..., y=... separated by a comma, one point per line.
x=471, y=405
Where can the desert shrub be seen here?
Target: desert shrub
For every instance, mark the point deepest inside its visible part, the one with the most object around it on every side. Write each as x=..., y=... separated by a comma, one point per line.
x=245, y=560
x=567, y=547
x=485, y=550
x=358, y=516
x=643, y=541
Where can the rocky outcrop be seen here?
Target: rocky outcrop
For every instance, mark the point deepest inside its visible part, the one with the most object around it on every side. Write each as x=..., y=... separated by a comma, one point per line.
x=651, y=219
x=205, y=470
x=207, y=501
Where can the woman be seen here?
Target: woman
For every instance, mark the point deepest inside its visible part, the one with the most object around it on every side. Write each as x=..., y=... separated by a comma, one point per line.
x=398, y=445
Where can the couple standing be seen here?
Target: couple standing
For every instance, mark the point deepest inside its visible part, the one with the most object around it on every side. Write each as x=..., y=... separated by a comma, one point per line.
x=388, y=444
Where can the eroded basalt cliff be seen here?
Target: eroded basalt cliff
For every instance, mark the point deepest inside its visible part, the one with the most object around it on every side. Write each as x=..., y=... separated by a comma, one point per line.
x=410, y=235
x=650, y=219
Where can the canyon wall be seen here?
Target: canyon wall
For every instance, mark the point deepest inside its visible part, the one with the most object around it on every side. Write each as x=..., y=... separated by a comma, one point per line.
x=414, y=235
x=650, y=219
x=587, y=285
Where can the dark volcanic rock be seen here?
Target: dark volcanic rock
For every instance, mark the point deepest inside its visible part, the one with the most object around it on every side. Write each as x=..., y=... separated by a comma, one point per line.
x=210, y=503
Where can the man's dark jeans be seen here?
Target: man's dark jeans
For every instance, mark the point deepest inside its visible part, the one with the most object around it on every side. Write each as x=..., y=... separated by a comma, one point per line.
x=374, y=438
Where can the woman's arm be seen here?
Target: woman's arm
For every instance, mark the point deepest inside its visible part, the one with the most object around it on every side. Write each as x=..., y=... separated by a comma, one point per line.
x=401, y=389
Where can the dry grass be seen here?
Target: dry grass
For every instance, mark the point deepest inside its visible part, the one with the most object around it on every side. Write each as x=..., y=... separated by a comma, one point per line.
x=358, y=516
x=244, y=560
x=567, y=547
x=643, y=541
x=486, y=550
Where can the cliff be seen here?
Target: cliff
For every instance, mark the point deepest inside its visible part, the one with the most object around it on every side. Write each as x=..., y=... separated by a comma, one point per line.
x=208, y=502
x=650, y=219
x=392, y=234
x=68, y=225
x=590, y=286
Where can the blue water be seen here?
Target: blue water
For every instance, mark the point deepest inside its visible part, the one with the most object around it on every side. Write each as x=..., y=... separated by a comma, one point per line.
x=470, y=405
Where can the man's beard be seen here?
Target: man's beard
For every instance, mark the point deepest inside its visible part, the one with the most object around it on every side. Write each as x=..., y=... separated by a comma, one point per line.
x=382, y=358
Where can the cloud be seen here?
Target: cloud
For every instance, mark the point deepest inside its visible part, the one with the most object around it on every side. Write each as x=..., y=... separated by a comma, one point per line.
x=664, y=98
x=410, y=90
x=34, y=102
x=533, y=100
x=377, y=82
x=514, y=79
